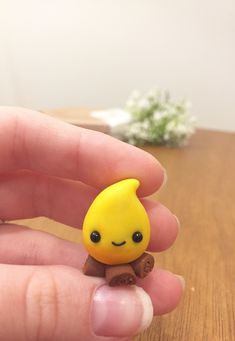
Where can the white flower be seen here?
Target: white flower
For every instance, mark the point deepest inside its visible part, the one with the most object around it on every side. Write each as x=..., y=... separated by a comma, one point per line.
x=145, y=124
x=153, y=93
x=156, y=118
x=158, y=115
x=170, y=126
x=181, y=129
x=130, y=104
x=143, y=104
x=166, y=136
x=170, y=109
x=192, y=120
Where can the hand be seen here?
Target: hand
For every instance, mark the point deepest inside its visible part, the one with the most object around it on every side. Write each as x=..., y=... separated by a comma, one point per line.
x=50, y=168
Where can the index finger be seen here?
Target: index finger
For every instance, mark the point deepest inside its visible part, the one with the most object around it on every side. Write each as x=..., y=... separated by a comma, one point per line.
x=37, y=142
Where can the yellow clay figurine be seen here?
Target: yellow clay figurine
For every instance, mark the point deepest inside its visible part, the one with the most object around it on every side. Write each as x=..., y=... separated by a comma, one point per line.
x=116, y=233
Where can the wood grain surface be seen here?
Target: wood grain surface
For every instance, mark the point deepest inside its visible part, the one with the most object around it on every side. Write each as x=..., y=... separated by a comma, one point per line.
x=80, y=117
x=201, y=192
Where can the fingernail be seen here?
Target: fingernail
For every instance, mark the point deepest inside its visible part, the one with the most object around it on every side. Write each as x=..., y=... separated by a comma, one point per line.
x=177, y=220
x=182, y=280
x=164, y=180
x=120, y=311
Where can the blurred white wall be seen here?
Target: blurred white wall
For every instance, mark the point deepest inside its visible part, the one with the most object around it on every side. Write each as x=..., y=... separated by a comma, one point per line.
x=59, y=53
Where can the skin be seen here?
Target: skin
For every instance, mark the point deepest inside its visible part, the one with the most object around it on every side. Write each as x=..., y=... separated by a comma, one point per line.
x=47, y=167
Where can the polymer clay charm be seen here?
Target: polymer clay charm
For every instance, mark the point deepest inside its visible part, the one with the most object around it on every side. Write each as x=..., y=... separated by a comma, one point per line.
x=116, y=233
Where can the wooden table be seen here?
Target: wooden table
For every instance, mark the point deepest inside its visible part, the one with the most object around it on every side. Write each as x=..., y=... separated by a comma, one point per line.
x=80, y=117
x=201, y=191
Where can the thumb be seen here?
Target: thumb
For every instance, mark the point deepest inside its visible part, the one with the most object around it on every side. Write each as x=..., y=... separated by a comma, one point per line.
x=60, y=303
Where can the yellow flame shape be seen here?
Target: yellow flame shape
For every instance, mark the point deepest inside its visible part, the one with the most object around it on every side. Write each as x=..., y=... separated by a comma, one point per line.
x=116, y=221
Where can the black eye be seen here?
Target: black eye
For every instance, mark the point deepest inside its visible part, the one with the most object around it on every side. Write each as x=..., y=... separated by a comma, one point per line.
x=95, y=236
x=137, y=237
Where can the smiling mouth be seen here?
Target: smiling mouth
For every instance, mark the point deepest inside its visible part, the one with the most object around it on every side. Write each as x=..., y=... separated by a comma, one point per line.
x=119, y=244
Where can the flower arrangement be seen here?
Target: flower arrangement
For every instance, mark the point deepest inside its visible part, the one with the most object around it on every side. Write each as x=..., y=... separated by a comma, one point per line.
x=156, y=119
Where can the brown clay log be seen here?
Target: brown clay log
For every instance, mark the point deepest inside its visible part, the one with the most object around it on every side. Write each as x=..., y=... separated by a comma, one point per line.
x=117, y=275
x=93, y=268
x=143, y=265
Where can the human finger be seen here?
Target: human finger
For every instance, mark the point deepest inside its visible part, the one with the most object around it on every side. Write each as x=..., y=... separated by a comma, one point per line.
x=60, y=303
x=26, y=195
x=67, y=201
x=20, y=245
x=24, y=246
x=40, y=143
x=164, y=288
x=164, y=224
